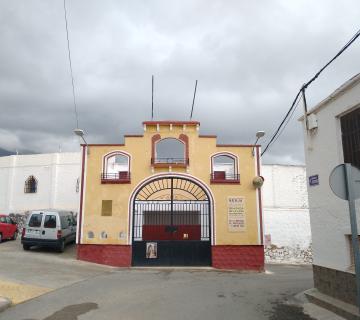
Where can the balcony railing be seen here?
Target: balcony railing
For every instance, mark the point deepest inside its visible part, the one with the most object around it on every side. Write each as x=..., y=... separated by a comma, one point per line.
x=170, y=161
x=223, y=177
x=117, y=177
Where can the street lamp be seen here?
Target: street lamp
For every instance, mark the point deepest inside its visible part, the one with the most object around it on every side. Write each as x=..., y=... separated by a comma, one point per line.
x=80, y=133
x=259, y=135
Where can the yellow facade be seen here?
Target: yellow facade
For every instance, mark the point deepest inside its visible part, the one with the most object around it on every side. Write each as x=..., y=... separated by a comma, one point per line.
x=139, y=148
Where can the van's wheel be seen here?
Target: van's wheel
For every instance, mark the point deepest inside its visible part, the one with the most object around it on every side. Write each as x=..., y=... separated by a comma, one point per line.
x=61, y=246
x=14, y=236
x=26, y=247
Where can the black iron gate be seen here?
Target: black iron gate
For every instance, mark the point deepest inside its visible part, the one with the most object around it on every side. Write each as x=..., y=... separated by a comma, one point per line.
x=171, y=224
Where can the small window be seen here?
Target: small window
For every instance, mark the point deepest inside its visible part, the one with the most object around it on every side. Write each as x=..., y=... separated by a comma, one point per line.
x=2, y=219
x=90, y=235
x=116, y=168
x=103, y=235
x=224, y=169
x=30, y=185
x=65, y=222
x=106, y=208
x=50, y=221
x=35, y=220
x=77, y=185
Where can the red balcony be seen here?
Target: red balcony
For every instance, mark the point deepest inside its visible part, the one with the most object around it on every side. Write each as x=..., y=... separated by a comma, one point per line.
x=118, y=177
x=222, y=177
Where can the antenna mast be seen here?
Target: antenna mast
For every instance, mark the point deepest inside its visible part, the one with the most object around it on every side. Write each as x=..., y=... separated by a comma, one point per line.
x=192, y=107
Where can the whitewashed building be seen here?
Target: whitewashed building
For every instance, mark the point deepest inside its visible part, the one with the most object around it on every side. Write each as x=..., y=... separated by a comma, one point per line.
x=286, y=214
x=43, y=181
x=332, y=137
x=39, y=181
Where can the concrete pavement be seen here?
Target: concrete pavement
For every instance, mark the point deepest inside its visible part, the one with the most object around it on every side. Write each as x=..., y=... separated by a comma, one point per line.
x=80, y=290
x=28, y=274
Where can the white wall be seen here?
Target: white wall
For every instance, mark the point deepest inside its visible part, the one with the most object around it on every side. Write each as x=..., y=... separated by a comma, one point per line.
x=56, y=175
x=329, y=215
x=286, y=214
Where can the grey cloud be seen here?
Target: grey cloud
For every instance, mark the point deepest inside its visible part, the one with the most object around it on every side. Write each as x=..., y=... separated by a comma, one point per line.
x=250, y=59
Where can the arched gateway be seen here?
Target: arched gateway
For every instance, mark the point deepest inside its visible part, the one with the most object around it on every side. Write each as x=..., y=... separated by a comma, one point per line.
x=171, y=223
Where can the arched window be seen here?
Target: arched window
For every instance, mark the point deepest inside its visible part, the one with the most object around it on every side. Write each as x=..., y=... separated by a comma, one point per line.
x=30, y=185
x=116, y=168
x=224, y=168
x=171, y=151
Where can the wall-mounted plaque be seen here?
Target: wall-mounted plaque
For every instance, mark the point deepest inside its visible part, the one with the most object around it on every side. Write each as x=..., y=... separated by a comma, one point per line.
x=236, y=214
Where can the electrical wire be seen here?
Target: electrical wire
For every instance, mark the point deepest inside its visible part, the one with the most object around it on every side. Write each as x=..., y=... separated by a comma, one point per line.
x=294, y=104
x=70, y=64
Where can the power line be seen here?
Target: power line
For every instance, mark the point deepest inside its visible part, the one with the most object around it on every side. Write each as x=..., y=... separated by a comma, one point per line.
x=277, y=133
x=70, y=64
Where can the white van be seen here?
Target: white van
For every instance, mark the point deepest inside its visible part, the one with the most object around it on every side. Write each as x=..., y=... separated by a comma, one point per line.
x=49, y=228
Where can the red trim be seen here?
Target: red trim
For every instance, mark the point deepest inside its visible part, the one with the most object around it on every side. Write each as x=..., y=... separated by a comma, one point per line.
x=237, y=145
x=259, y=195
x=168, y=122
x=184, y=138
x=133, y=135
x=115, y=181
x=224, y=181
x=81, y=192
x=103, y=145
x=112, y=255
x=238, y=257
x=154, y=139
x=208, y=136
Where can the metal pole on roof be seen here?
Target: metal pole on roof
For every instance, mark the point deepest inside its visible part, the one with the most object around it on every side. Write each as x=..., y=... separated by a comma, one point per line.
x=192, y=107
x=152, y=97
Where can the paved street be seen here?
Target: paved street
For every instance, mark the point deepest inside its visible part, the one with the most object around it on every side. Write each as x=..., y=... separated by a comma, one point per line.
x=89, y=291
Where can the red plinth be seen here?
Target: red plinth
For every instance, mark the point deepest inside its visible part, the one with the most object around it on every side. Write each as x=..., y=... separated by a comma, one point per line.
x=112, y=255
x=247, y=257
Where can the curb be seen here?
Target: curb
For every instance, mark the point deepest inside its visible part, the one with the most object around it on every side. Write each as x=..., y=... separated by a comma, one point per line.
x=345, y=310
x=4, y=303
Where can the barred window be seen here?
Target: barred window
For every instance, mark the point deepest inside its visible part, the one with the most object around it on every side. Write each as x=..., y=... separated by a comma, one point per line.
x=30, y=185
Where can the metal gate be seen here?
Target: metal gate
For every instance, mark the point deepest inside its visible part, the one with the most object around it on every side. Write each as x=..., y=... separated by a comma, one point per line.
x=171, y=224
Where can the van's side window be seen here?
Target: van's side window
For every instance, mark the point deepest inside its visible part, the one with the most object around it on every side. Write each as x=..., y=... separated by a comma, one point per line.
x=50, y=221
x=35, y=220
x=64, y=222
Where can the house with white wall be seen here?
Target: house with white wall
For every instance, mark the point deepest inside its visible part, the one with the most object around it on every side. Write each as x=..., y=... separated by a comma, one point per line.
x=285, y=208
x=287, y=235
x=39, y=181
x=332, y=137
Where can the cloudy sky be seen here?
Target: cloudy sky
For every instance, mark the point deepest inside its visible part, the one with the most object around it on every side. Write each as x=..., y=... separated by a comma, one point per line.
x=250, y=58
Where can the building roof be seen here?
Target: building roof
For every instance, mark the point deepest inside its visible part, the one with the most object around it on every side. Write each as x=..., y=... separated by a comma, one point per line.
x=174, y=122
x=342, y=89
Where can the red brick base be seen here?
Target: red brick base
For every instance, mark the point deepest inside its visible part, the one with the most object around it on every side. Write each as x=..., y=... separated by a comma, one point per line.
x=249, y=257
x=112, y=255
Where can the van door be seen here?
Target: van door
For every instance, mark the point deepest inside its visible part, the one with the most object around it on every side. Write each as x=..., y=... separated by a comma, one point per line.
x=33, y=230
x=49, y=231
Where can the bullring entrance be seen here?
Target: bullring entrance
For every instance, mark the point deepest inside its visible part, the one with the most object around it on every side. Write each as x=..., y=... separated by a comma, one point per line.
x=171, y=224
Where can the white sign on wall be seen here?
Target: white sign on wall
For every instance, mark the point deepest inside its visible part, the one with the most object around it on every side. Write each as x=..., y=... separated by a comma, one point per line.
x=236, y=214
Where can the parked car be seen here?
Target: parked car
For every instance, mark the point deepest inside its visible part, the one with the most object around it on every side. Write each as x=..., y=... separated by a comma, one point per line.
x=8, y=228
x=49, y=228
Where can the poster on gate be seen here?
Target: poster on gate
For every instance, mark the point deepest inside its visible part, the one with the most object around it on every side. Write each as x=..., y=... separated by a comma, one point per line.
x=236, y=214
